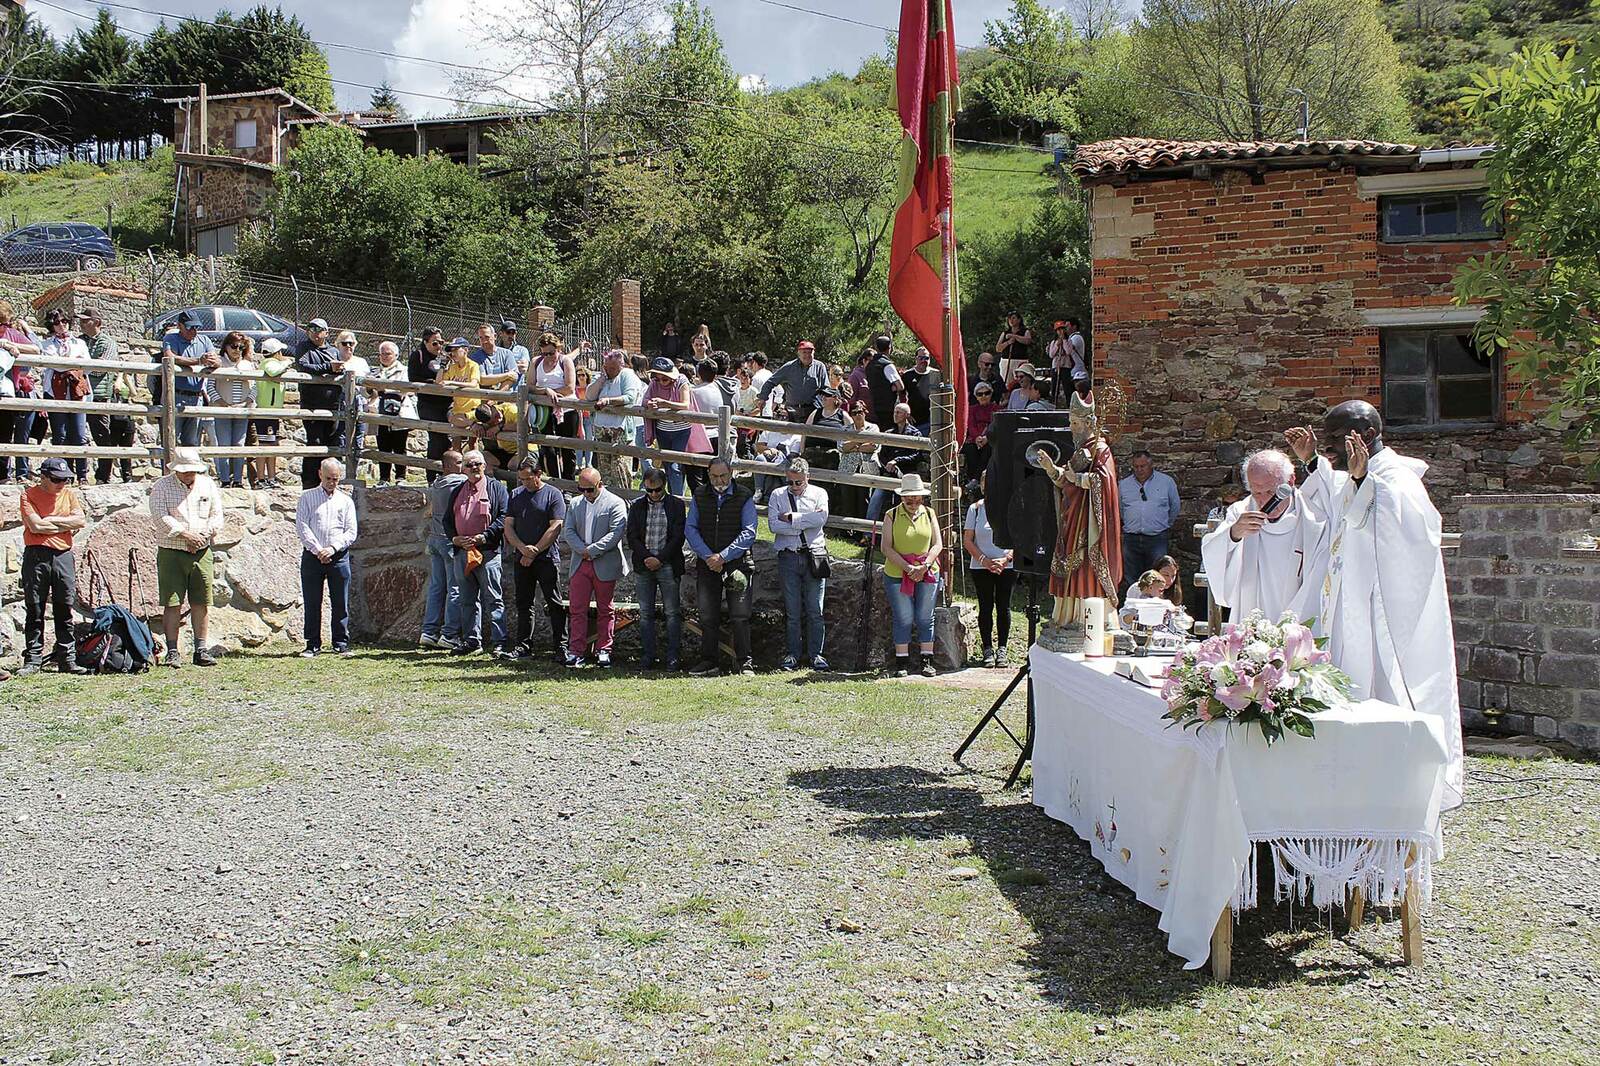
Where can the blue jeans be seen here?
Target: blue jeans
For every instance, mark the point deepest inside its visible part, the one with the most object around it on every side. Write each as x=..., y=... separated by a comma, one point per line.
x=336, y=573
x=878, y=503
x=71, y=429
x=230, y=434
x=21, y=433
x=911, y=615
x=802, y=606
x=673, y=441
x=646, y=585
x=479, y=595
x=189, y=428
x=439, y=616
x=1139, y=553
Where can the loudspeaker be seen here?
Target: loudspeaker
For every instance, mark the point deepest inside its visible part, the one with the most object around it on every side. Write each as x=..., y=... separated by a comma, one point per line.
x=1021, y=500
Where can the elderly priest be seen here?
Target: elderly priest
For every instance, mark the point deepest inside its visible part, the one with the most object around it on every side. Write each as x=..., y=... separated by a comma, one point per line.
x=1388, y=617
x=1270, y=552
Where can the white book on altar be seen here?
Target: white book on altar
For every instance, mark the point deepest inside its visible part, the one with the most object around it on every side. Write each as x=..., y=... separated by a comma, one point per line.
x=1147, y=674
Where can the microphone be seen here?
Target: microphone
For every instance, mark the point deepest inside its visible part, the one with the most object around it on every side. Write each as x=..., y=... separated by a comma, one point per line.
x=1280, y=501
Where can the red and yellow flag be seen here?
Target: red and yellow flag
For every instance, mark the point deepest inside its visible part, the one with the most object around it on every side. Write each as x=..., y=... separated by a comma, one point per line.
x=922, y=254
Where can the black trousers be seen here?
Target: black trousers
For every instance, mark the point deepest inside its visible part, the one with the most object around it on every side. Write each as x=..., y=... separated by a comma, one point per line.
x=321, y=433
x=111, y=431
x=48, y=579
x=540, y=576
x=562, y=462
x=974, y=461
x=393, y=440
x=709, y=592
x=994, y=603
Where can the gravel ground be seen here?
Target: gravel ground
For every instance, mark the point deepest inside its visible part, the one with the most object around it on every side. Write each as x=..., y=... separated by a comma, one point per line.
x=386, y=859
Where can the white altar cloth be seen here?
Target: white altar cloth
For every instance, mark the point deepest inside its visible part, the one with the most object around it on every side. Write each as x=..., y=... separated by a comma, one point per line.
x=1173, y=813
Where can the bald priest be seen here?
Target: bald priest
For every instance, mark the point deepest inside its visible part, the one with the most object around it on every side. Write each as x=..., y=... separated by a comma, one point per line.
x=1270, y=551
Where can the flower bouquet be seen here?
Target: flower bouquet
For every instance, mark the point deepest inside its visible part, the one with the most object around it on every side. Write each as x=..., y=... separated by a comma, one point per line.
x=1273, y=674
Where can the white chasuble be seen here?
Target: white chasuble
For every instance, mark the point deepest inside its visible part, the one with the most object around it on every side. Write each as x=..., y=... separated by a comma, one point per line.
x=1278, y=569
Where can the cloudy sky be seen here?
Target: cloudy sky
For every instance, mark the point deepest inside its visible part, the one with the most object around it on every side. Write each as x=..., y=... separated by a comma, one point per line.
x=763, y=41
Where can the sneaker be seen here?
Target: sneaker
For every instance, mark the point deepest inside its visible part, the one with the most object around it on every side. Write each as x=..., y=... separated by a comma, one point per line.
x=748, y=668
x=30, y=667
x=672, y=666
x=927, y=668
x=821, y=664
x=464, y=648
x=203, y=658
x=1000, y=656
x=603, y=658
x=173, y=659
x=988, y=656
x=706, y=670
x=428, y=640
x=789, y=663
x=574, y=662
x=901, y=668
x=508, y=654
x=341, y=649
x=310, y=653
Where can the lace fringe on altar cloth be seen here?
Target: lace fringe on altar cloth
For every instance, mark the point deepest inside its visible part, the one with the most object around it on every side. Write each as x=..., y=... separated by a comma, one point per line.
x=1321, y=870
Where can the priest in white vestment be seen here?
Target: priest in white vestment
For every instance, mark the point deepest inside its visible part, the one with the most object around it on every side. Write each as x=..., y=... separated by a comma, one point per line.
x=1388, y=617
x=1270, y=552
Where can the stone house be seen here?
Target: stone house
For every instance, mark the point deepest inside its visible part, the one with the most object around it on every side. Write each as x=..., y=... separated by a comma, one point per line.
x=1242, y=288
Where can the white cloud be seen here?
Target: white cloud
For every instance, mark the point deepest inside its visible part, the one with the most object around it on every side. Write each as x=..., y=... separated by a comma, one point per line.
x=455, y=31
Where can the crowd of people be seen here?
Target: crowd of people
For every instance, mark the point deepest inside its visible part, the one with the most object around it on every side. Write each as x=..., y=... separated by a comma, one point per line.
x=689, y=519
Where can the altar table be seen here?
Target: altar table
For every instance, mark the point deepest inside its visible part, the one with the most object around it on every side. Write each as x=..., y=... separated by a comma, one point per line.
x=1350, y=816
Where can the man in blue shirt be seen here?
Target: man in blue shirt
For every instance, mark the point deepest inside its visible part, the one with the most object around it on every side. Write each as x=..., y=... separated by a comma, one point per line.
x=1149, y=510
x=191, y=350
x=519, y=353
x=497, y=366
x=534, y=518
x=723, y=514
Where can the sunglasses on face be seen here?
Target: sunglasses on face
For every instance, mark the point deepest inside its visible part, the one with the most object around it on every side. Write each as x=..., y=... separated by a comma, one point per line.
x=347, y=344
x=592, y=491
x=57, y=480
x=655, y=492
x=233, y=347
x=474, y=466
x=794, y=484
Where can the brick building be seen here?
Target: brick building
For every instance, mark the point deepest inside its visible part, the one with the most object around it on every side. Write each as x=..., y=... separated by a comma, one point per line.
x=1243, y=288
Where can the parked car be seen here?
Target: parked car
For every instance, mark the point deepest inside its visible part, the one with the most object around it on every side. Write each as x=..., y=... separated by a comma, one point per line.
x=217, y=320
x=46, y=247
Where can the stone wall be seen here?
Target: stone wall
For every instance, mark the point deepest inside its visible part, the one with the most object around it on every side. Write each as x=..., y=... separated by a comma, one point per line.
x=1525, y=599
x=1229, y=308
x=222, y=193
x=123, y=310
x=256, y=594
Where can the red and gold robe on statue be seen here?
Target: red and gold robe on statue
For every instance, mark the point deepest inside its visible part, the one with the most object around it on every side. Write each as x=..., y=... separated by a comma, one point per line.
x=1088, y=558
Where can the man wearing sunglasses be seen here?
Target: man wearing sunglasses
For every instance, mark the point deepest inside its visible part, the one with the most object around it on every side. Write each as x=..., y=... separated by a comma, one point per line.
x=596, y=525
x=1149, y=511
x=51, y=513
x=655, y=540
x=475, y=523
x=424, y=364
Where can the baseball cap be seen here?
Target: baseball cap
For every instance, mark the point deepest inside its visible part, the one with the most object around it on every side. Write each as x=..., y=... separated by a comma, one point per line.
x=507, y=326
x=189, y=320
x=272, y=345
x=56, y=470
x=88, y=314
x=803, y=345
x=662, y=365
x=1059, y=324
x=317, y=323
x=461, y=342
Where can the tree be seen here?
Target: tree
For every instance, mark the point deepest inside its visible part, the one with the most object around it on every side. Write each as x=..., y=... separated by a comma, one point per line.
x=1541, y=297
x=343, y=210
x=1236, y=69
x=384, y=100
x=1040, y=268
x=101, y=55
x=1029, y=85
x=1095, y=20
x=31, y=112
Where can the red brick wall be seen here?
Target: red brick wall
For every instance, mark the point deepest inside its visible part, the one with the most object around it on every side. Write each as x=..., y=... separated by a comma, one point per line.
x=1229, y=310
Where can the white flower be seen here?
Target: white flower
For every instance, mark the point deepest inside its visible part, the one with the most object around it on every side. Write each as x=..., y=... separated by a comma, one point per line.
x=1270, y=632
x=1221, y=674
x=1286, y=617
x=1258, y=651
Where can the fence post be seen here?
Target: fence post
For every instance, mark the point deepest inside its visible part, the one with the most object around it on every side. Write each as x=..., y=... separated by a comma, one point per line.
x=941, y=432
x=352, y=442
x=522, y=416
x=725, y=448
x=298, y=320
x=169, y=409
x=409, y=334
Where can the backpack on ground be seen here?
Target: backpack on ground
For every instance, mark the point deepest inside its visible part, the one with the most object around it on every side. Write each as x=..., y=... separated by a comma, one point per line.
x=115, y=642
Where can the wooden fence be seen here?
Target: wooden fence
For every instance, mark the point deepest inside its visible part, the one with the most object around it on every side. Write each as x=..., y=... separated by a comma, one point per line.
x=940, y=444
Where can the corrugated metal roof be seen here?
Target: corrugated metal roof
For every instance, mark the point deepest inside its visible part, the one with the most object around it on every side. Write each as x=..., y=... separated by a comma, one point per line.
x=1129, y=154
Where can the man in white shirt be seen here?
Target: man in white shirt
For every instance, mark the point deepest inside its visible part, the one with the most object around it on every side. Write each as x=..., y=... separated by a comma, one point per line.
x=796, y=514
x=63, y=383
x=774, y=446
x=325, y=520
x=1269, y=552
x=186, y=506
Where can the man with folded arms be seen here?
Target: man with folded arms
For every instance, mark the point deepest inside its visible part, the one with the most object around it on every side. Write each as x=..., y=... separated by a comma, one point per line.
x=325, y=521
x=51, y=514
x=186, y=506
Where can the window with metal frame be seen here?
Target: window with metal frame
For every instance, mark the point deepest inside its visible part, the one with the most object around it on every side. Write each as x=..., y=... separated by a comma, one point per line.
x=1437, y=216
x=1438, y=378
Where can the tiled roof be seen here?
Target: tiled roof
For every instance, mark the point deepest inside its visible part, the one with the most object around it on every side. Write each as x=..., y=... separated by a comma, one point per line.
x=1127, y=154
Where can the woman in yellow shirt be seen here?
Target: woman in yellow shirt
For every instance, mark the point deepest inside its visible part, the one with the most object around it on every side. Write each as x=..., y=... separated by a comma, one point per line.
x=460, y=372
x=911, y=545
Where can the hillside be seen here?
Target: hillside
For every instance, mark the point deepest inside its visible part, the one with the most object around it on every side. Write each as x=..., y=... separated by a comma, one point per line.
x=998, y=189
x=1444, y=42
x=139, y=194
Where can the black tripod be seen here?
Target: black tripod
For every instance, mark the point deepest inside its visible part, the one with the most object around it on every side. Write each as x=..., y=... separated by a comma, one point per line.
x=1025, y=742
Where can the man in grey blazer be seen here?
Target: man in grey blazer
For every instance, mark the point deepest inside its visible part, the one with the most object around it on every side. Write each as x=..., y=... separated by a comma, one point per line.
x=594, y=535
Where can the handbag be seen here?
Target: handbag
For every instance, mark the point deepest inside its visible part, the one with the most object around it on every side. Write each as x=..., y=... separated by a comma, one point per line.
x=390, y=403
x=818, y=563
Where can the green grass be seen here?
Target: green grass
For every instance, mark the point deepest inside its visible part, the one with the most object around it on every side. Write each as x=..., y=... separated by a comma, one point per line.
x=139, y=195
x=997, y=189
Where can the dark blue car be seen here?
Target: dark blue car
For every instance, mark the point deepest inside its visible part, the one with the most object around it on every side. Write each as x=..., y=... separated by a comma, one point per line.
x=52, y=247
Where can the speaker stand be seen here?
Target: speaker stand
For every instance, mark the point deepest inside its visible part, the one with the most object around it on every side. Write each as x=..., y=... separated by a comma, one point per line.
x=1025, y=742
